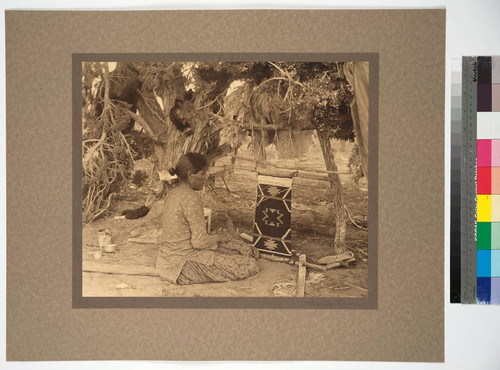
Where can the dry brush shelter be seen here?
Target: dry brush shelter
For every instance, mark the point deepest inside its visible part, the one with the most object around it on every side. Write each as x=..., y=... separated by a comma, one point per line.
x=161, y=110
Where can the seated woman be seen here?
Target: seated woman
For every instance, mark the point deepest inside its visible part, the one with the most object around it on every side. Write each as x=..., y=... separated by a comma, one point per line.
x=188, y=254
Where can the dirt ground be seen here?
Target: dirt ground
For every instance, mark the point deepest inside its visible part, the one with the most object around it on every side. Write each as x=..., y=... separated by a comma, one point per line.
x=312, y=234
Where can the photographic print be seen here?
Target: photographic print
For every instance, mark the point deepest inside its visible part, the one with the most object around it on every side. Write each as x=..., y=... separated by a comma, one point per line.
x=225, y=178
x=203, y=133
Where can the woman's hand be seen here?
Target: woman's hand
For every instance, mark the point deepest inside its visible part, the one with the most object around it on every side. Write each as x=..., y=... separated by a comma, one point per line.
x=255, y=252
x=222, y=237
x=249, y=250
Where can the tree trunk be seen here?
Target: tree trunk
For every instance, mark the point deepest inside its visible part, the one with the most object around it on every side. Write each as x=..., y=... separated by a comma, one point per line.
x=152, y=113
x=338, y=200
x=171, y=142
x=358, y=77
x=172, y=148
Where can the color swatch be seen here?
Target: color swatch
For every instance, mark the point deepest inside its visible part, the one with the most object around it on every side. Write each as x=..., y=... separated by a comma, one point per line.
x=488, y=180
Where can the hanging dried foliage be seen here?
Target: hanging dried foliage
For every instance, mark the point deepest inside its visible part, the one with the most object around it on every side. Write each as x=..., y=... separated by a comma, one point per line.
x=302, y=96
x=106, y=160
x=320, y=102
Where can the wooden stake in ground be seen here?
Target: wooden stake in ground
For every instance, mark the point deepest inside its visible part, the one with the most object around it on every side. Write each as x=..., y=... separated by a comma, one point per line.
x=301, y=279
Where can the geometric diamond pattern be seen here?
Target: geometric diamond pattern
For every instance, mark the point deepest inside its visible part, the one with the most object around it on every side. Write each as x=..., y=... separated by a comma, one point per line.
x=272, y=220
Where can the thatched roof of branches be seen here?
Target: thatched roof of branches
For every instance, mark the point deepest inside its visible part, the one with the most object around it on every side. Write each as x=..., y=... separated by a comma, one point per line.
x=184, y=106
x=298, y=99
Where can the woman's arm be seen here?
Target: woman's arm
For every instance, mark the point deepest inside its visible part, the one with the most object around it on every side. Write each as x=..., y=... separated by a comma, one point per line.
x=242, y=247
x=193, y=212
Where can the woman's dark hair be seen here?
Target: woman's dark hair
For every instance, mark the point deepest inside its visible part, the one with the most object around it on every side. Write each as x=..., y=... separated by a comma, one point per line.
x=189, y=162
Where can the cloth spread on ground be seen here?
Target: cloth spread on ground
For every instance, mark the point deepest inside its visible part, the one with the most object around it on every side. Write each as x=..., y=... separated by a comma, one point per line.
x=133, y=214
x=272, y=223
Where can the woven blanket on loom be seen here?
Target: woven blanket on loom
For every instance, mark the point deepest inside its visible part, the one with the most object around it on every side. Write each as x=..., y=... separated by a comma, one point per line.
x=272, y=223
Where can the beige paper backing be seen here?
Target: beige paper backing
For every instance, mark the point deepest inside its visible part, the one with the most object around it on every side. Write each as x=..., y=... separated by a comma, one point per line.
x=408, y=324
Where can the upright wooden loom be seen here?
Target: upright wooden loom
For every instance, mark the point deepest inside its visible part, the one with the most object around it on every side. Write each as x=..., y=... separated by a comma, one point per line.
x=272, y=231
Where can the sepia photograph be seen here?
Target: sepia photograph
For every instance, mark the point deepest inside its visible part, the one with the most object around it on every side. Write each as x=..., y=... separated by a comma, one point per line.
x=225, y=179
x=226, y=185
